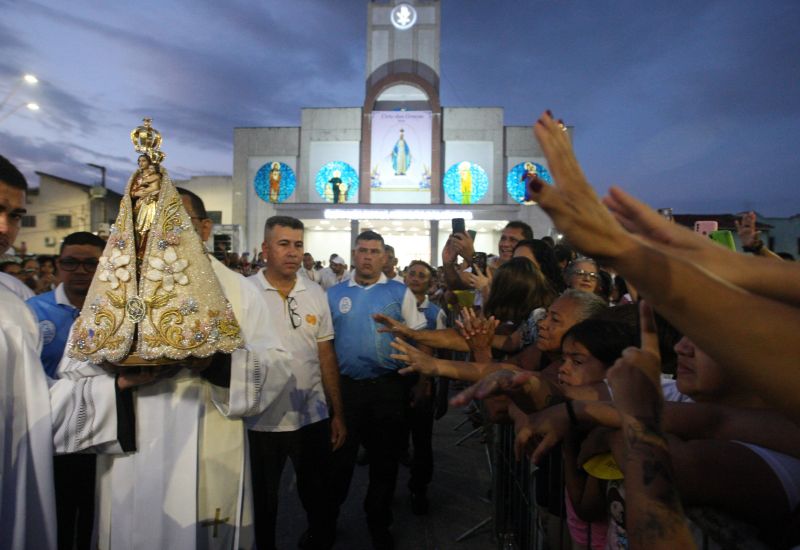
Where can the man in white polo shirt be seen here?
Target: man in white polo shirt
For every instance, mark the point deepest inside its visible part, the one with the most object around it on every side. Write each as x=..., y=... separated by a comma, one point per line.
x=297, y=424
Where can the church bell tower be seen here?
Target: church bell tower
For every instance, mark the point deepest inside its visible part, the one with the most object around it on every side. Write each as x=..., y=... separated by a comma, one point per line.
x=402, y=75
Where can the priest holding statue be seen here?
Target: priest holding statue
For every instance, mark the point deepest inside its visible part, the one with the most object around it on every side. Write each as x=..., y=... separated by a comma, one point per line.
x=164, y=311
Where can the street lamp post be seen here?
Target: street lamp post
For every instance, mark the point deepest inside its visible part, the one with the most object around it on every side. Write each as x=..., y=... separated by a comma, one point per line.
x=30, y=105
x=27, y=78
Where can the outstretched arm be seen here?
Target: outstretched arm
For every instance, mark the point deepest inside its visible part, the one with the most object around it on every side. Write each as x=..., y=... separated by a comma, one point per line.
x=688, y=294
x=447, y=338
x=776, y=280
x=654, y=515
x=426, y=364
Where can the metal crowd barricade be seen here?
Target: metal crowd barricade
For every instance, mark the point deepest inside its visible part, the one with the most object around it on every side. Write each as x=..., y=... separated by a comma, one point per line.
x=515, y=513
x=515, y=516
x=517, y=522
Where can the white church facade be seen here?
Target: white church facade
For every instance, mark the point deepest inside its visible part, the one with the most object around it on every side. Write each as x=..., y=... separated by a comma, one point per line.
x=401, y=163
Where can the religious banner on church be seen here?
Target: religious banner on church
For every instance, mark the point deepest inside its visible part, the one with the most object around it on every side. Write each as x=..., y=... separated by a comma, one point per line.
x=400, y=161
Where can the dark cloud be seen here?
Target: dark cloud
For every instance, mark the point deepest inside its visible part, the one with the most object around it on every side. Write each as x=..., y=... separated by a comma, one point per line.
x=689, y=104
x=62, y=158
x=202, y=93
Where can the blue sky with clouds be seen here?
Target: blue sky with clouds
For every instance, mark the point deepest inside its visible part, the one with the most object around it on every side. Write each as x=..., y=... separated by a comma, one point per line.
x=693, y=105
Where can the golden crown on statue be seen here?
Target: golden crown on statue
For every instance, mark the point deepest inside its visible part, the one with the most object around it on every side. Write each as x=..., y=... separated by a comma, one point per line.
x=147, y=140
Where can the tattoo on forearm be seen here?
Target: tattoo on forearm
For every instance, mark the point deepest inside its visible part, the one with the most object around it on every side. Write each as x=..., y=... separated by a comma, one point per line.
x=657, y=514
x=655, y=525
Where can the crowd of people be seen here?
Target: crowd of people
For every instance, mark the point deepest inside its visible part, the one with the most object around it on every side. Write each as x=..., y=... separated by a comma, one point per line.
x=644, y=368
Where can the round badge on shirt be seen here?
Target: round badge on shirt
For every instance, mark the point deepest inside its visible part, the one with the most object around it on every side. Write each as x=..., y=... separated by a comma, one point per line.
x=48, y=331
x=345, y=305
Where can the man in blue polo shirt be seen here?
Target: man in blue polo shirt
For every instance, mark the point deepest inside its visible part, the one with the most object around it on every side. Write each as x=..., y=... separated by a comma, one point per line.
x=56, y=310
x=373, y=394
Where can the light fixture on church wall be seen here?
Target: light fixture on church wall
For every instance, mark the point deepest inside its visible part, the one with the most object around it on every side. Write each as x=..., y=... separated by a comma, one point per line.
x=400, y=214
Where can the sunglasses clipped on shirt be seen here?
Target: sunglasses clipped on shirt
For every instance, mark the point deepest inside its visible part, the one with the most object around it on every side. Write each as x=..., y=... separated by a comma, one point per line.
x=294, y=317
x=72, y=264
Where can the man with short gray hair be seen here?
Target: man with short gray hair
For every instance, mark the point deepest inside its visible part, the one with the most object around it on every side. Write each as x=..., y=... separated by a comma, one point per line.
x=298, y=425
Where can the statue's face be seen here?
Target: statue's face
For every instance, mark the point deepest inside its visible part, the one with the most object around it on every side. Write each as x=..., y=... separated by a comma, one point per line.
x=143, y=162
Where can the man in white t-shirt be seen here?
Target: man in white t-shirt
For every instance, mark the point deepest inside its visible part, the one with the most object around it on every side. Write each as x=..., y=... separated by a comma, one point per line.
x=296, y=425
x=335, y=273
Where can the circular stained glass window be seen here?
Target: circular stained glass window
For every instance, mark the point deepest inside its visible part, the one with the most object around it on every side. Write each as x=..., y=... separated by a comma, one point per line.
x=337, y=182
x=465, y=182
x=516, y=182
x=275, y=182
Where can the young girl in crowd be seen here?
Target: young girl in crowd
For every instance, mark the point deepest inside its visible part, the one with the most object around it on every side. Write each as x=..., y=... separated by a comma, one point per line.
x=588, y=350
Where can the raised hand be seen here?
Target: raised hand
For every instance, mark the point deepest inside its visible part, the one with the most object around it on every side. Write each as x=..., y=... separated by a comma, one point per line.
x=463, y=244
x=477, y=331
x=449, y=253
x=417, y=360
x=746, y=229
x=635, y=378
x=640, y=219
x=393, y=326
x=572, y=203
x=475, y=279
x=499, y=382
x=538, y=433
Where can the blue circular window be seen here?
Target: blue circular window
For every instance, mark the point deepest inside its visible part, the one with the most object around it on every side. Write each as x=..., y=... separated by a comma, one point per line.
x=337, y=182
x=518, y=177
x=465, y=182
x=275, y=182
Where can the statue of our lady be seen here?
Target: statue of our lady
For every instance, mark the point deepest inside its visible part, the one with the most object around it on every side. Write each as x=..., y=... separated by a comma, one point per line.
x=401, y=156
x=154, y=298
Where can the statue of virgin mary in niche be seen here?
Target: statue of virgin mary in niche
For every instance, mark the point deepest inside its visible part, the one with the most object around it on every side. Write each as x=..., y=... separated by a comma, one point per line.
x=401, y=156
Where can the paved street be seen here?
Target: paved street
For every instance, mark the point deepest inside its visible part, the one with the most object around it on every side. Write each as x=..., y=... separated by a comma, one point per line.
x=460, y=486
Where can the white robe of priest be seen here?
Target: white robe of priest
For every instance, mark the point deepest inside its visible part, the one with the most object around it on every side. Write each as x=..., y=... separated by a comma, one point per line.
x=37, y=418
x=187, y=484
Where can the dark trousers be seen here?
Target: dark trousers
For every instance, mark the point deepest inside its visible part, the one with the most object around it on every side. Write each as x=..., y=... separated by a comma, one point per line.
x=420, y=424
x=310, y=451
x=74, y=477
x=375, y=416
